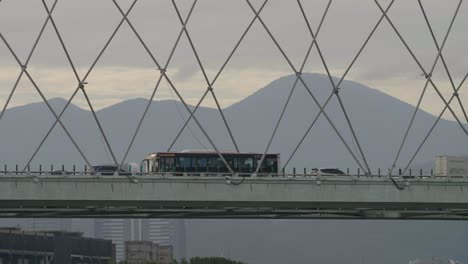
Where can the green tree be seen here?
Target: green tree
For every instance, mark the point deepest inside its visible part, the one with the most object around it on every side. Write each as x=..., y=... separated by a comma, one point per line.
x=213, y=260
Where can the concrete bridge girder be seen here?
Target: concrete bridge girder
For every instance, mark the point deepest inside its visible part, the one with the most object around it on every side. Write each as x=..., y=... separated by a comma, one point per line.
x=219, y=197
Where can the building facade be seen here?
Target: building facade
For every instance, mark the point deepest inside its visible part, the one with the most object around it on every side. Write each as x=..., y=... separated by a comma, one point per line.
x=164, y=232
x=141, y=252
x=48, y=224
x=52, y=247
x=166, y=254
x=116, y=230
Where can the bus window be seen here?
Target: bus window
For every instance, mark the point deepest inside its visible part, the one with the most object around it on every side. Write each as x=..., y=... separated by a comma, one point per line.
x=269, y=165
x=212, y=165
x=246, y=164
x=200, y=164
x=233, y=163
x=167, y=164
x=162, y=167
x=221, y=166
x=183, y=164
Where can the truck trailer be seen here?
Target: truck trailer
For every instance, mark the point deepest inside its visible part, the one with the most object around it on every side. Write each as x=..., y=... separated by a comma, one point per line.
x=451, y=166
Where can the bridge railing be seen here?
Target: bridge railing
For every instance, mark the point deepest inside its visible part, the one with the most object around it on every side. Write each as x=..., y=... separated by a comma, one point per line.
x=73, y=169
x=206, y=175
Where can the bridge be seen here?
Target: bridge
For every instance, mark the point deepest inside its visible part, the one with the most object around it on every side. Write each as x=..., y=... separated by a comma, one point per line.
x=32, y=194
x=280, y=196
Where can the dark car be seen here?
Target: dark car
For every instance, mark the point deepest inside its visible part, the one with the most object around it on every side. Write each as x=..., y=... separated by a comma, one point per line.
x=327, y=172
x=108, y=170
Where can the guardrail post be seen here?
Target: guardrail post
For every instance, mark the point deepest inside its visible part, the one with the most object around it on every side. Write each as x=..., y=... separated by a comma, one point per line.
x=6, y=170
x=51, y=168
x=347, y=170
x=74, y=169
x=40, y=169
x=63, y=167
x=283, y=171
x=358, y=171
x=294, y=171
x=379, y=171
x=85, y=169
x=410, y=172
x=16, y=169
x=399, y=172
x=420, y=172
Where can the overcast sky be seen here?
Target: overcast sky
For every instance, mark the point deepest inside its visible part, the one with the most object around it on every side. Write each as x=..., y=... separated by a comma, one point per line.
x=126, y=71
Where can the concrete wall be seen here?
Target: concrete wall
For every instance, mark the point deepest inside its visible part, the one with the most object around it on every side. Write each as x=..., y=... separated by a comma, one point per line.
x=171, y=196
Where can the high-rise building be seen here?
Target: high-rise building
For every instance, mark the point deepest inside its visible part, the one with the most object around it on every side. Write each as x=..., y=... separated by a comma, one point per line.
x=113, y=229
x=163, y=232
x=48, y=224
x=166, y=232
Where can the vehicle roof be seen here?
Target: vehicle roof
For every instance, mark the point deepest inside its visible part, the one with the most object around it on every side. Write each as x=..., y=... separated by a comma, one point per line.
x=214, y=153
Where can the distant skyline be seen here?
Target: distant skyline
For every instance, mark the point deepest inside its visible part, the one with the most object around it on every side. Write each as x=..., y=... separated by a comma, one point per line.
x=125, y=71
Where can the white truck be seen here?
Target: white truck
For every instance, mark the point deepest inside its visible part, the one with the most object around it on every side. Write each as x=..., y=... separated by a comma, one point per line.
x=451, y=166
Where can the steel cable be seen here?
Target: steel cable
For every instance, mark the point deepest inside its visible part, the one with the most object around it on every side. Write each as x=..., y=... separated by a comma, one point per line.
x=217, y=75
x=410, y=51
x=314, y=40
x=353, y=61
x=439, y=56
x=18, y=79
x=306, y=87
x=153, y=94
x=336, y=90
x=163, y=72
x=444, y=63
x=434, y=125
x=83, y=80
x=210, y=87
x=43, y=98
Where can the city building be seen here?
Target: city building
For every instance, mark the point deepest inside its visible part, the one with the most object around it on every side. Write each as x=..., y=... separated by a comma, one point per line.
x=52, y=247
x=47, y=224
x=140, y=252
x=137, y=252
x=166, y=254
x=116, y=230
x=164, y=232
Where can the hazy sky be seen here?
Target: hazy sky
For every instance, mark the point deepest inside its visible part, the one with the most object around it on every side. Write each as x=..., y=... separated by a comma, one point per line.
x=126, y=71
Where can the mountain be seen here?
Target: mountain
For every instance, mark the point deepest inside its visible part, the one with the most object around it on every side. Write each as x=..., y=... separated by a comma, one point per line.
x=378, y=119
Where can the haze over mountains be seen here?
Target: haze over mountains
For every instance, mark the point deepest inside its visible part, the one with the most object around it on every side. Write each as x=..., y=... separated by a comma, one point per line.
x=379, y=120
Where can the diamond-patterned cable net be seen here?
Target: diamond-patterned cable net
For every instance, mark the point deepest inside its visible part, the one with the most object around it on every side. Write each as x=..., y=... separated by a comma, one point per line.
x=186, y=11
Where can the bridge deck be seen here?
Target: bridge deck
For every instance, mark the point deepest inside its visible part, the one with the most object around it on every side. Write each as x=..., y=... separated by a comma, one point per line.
x=347, y=197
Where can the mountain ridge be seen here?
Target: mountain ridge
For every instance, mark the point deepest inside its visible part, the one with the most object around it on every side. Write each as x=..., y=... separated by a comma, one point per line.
x=60, y=101
x=378, y=119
